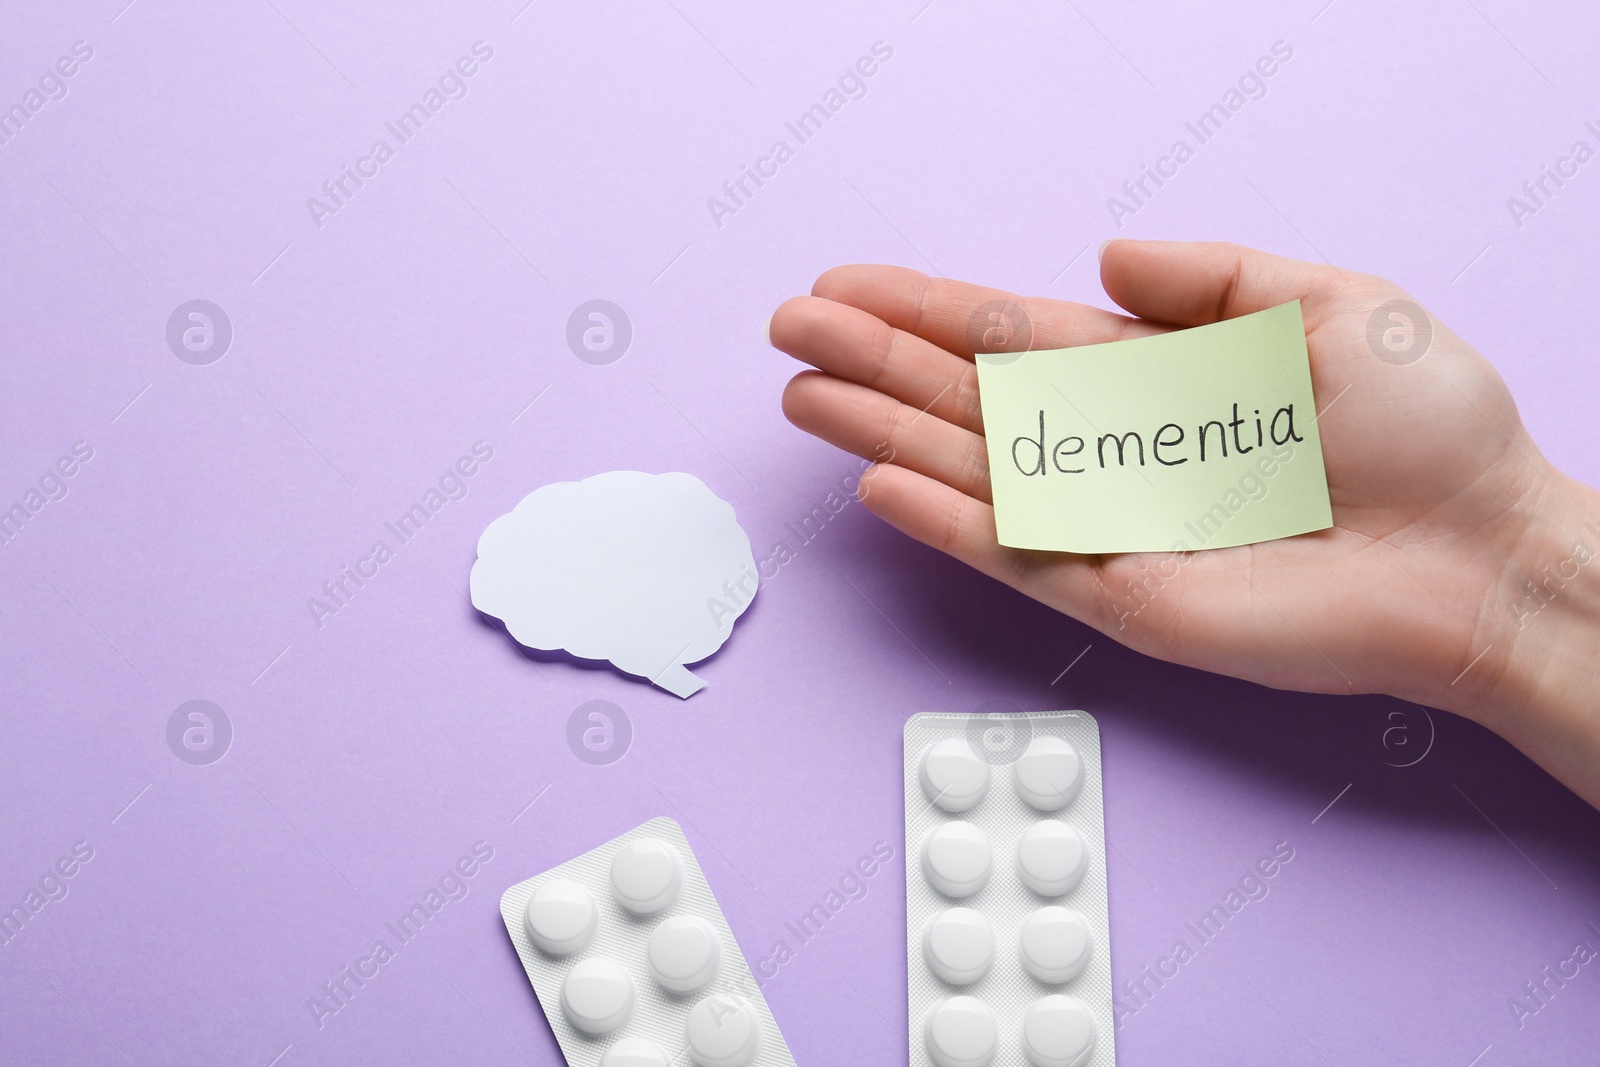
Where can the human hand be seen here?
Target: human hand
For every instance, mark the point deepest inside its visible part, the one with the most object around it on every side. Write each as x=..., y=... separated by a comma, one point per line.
x=1443, y=507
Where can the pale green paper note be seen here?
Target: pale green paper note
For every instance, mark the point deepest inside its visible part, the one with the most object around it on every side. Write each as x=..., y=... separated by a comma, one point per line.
x=1119, y=466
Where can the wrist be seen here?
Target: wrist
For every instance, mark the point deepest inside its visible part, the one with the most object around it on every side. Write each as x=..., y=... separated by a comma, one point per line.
x=1540, y=688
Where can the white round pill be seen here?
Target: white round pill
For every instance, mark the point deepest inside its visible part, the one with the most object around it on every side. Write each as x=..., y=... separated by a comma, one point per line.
x=1051, y=857
x=635, y=1052
x=956, y=859
x=684, y=953
x=961, y=1032
x=958, y=945
x=597, y=995
x=953, y=776
x=1056, y=944
x=561, y=917
x=1049, y=773
x=646, y=875
x=723, y=1031
x=1058, y=1031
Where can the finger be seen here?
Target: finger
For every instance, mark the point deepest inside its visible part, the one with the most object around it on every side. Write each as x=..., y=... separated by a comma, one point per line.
x=960, y=526
x=1191, y=283
x=881, y=428
x=959, y=316
x=851, y=344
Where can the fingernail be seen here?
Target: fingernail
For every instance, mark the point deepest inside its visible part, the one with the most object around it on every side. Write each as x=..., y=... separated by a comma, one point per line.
x=766, y=330
x=1101, y=254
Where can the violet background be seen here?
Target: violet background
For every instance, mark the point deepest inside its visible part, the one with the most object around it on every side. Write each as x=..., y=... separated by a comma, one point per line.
x=369, y=354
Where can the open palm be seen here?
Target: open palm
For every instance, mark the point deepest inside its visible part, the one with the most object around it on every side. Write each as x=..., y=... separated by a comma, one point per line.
x=1433, y=479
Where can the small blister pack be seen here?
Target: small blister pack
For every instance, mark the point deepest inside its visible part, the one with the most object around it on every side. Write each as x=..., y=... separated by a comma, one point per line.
x=633, y=961
x=1008, y=960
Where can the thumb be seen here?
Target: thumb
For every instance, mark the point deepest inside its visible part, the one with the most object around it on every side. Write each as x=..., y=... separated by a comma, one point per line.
x=1191, y=283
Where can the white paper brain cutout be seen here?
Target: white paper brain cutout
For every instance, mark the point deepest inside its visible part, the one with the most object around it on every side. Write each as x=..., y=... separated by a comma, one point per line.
x=648, y=571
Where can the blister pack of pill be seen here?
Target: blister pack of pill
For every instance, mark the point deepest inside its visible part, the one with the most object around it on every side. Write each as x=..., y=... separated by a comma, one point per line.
x=1008, y=960
x=634, y=963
